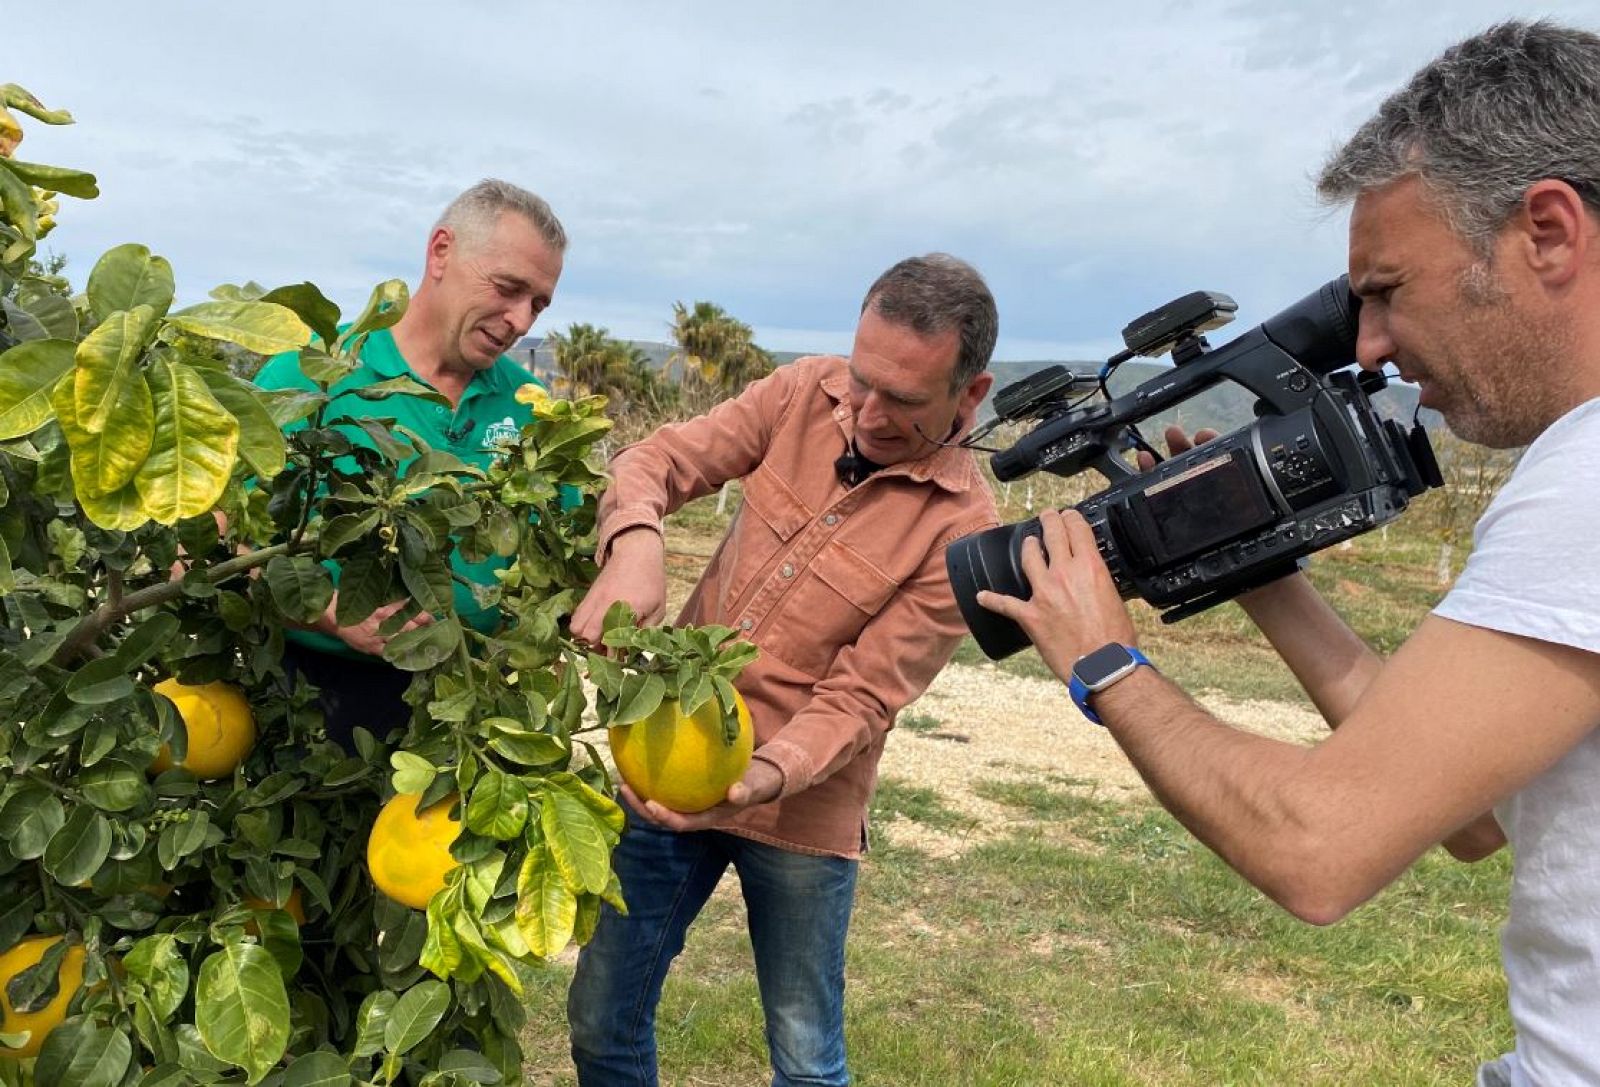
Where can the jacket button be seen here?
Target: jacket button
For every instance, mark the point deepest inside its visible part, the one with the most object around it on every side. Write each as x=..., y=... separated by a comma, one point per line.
x=745, y=624
x=788, y=570
x=831, y=519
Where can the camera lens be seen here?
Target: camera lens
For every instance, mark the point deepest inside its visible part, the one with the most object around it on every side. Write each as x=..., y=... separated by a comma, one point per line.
x=991, y=560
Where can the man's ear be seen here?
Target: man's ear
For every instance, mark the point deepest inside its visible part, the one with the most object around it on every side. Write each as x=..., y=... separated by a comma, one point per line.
x=441, y=244
x=972, y=396
x=1557, y=230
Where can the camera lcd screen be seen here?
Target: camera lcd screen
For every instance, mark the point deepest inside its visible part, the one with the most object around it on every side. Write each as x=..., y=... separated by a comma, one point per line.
x=1212, y=501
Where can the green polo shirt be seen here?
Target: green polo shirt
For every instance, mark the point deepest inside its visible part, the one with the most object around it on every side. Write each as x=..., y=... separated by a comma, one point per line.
x=487, y=414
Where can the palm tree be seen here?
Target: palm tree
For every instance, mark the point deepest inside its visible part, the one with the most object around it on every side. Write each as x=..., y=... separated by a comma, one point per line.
x=590, y=360
x=717, y=348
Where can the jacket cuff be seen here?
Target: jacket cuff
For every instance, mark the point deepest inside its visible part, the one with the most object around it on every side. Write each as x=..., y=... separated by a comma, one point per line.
x=620, y=521
x=792, y=762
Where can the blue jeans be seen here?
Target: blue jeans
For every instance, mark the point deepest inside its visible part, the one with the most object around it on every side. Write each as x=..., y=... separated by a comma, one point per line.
x=798, y=907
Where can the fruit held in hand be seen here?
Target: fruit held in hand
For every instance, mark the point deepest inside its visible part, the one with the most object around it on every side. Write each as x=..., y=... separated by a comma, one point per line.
x=221, y=728
x=682, y=762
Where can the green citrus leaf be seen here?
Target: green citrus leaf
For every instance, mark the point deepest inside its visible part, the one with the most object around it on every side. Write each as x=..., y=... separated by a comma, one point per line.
x=79, y=848
x=156, y=962
x=319, y=1069
x=311, y=306
x=419, y=1010
x=29, y=373
x=423, y=647
x=300, y=586
x=129, y=276
x=242, y=1008
x=371, y=1021
x=29, y=820
x=499, y=806
x=84, y=1054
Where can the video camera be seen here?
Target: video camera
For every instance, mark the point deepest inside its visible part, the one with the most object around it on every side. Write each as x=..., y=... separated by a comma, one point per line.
x=1317, y=466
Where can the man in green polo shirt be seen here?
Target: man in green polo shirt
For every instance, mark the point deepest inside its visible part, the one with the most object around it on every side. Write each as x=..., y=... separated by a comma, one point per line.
x=491, y=267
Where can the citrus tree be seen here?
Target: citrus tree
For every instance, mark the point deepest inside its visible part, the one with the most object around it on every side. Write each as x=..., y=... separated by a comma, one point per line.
x=196, y=886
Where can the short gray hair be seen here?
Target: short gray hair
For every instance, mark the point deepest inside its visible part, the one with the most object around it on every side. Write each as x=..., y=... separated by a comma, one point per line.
x=934, y=293
x=1494, y=114
x=472, y=215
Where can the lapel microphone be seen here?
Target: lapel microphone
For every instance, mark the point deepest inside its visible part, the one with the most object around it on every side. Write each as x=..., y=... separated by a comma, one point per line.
x=852, y=467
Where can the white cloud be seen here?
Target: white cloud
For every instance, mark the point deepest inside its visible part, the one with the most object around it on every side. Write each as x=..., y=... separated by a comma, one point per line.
x=1092, y=160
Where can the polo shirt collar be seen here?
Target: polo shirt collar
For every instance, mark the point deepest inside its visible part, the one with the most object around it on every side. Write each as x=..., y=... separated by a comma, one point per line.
x=389, y=362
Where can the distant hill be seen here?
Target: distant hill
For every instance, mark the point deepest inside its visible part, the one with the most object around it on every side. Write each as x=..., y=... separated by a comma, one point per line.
x=1223, y=407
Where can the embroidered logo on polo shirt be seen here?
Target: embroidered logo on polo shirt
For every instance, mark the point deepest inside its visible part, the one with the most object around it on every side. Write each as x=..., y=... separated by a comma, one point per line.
x=502, y=433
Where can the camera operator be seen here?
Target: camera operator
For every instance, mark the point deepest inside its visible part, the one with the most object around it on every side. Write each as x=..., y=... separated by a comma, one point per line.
x=1475, y=248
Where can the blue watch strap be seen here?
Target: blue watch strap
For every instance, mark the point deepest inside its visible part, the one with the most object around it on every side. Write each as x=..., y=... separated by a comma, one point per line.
x=1080, y=691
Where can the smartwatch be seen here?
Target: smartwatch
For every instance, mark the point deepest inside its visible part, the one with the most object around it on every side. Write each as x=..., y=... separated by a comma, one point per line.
x=1098, y=670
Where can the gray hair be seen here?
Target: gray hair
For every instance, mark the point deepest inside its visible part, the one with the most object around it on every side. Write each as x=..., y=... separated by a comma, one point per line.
x=935, y=293
x=472, y=215
x=1494, y=114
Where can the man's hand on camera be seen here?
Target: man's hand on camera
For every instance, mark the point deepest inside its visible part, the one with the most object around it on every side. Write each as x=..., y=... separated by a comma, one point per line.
x=1074, y=608
x=1177, y=442
x=761, y=782
x=635, y=572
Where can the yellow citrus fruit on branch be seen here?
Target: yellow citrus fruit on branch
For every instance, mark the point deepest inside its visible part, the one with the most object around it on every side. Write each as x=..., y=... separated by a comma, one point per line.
x=408, y=854
x=681, y=762
x=221, y=728
x=41, y=1022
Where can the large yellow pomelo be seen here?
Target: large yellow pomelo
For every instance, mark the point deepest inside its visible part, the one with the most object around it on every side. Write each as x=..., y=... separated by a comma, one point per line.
x=41, y=1022
x=409, y=854
x=221, y=728
x=681, y=762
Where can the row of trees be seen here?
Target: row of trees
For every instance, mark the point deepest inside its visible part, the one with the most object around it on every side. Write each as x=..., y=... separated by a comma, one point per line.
x=716, y=356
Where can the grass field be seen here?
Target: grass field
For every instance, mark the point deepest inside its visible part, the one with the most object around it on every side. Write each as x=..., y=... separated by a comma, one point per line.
x=1094, y=942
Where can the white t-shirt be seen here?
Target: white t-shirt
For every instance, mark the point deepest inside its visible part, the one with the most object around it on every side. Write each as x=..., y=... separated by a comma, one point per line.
x=1534, y=571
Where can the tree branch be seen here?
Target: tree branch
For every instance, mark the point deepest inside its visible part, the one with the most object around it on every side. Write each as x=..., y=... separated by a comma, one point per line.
x=83, y=636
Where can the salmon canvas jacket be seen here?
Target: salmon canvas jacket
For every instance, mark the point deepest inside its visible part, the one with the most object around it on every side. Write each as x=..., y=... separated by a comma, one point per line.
x=844, y=591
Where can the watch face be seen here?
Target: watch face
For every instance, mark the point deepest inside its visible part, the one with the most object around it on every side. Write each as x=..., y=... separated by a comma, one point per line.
x=1102, y=666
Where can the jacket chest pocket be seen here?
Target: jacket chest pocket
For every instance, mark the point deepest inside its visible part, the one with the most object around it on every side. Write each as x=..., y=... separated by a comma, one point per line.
x=771, y=516
x=837, y=595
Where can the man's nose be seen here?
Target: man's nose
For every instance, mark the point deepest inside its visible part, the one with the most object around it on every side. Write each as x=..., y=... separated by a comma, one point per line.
x=1374, y=345
x=520, y=315
x=871, y=411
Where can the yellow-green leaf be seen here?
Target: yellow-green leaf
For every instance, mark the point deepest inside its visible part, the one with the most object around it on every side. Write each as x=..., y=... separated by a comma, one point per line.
x=263, y=327
x=546, y=907
x=62, y=179
x=106, y=462
x=29, y=373
x=107, y=357
x=386, y=305
x=129, y=276
x=260, y=441
x=577, y=844
x=196, y=443
x=122, y=511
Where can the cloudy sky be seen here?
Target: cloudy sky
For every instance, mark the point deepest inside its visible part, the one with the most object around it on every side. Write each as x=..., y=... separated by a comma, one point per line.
x=1093, y=159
